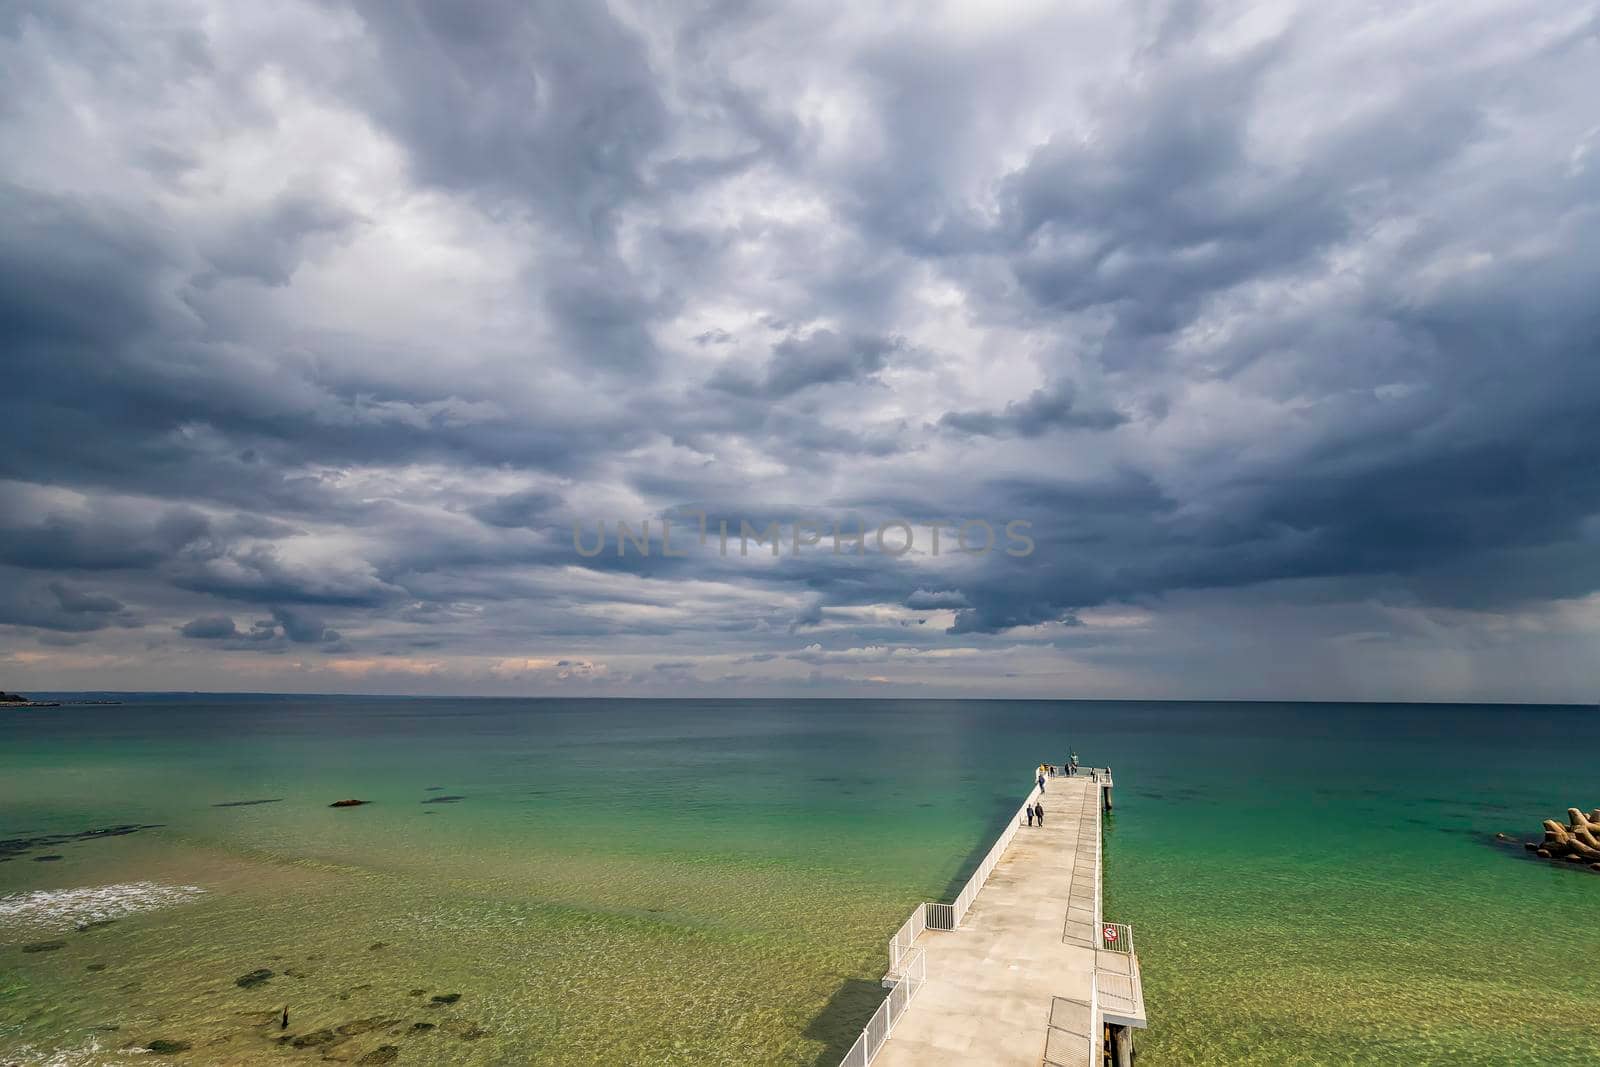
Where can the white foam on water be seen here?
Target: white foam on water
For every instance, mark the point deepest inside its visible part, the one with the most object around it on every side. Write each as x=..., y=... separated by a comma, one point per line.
x=69, y=907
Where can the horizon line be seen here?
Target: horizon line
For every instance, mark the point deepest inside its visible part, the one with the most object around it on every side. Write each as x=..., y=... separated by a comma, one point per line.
x=881, y=698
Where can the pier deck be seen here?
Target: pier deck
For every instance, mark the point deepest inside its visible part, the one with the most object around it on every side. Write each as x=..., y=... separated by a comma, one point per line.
x=1027, y=977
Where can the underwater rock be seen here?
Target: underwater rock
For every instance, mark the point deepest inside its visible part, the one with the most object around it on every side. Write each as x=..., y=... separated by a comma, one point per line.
x=381, y=1054
x=376, y=945
x=48, y=859
x=44, y=946
x=446, y=998
x=422, y=1027
x=315, y=1039
x=247, y=803
x=95, y=967
x=254, y=978
x=162, y=1046
x=448, y=799
x=348, y=803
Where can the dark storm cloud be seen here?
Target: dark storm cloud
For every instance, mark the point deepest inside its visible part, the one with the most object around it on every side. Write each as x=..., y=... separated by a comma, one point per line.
x=80, y=602
x=101, y=537
x=209, y=628
x=932, y=599
x=517, y=509
x=302, y=627
x=1044, y=410
x=340, y=317
x=58, y=606
x=820, y=358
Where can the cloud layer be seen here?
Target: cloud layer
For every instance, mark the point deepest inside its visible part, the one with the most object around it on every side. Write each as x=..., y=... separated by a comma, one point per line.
x=1277, y=328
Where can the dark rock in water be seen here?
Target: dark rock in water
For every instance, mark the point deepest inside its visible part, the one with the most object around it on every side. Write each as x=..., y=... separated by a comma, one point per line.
x=1531, y=846
x=1502, y=837
x=95, y=967
x=44, y=946
x=381, y=1054
x=254, y=978
x=446, y=998
x=315, y=1038
x=11, y=847
x=417, y=993
x=47, y=859
x=449, y=798
x=163, y=1047
x=430, y=813
x=348, y=803
x=247, y=803
x=376, y=945
x=422, y=1027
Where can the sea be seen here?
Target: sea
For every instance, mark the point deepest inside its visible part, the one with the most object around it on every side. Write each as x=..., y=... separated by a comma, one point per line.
x=715, y=881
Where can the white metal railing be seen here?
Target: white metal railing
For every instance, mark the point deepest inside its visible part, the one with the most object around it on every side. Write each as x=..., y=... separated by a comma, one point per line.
x=900, y=944
x=1096, y=1031
x=1121, y=995
x=1116, y=937
x=881, y=1025
x=1099, y=890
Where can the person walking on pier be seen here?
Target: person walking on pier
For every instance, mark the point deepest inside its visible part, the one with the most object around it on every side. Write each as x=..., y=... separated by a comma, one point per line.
x=1038, y=813
x=1030, y=816
x=1041, y=783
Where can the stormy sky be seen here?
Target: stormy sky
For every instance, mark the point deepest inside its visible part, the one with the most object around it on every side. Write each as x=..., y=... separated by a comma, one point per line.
x=1276, y=328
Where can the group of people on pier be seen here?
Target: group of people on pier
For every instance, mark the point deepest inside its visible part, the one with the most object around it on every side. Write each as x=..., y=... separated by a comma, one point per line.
x=1035, y=811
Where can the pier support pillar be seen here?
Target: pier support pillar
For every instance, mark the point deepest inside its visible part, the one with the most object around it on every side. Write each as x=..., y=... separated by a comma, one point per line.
x=1122, y=1045
x=1106, y=794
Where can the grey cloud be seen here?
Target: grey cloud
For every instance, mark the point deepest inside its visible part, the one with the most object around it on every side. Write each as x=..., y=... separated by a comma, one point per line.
x=819, y=358
x=1289, y=344
x=209, y=628
x=56, y=606
x=1044, y=410
x=302, y=627
x=517, y=509
x=78, y=601
x=933, y=599
x=100, y=537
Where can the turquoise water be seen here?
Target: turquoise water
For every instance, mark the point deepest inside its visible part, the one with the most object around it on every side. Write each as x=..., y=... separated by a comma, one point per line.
x=715, y=881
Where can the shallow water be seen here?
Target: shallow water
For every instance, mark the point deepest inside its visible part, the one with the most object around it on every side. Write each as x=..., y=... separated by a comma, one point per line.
x=715, y=881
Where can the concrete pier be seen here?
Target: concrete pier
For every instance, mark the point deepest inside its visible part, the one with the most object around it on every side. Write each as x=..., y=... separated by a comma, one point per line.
x=1032, y=974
